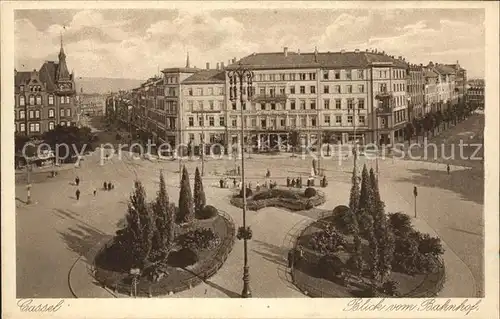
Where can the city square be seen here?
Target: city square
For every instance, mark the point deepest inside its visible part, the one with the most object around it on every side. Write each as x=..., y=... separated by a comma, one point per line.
x=73, y=231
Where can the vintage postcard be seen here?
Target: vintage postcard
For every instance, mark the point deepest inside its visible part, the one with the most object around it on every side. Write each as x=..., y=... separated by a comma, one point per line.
x=250, y=159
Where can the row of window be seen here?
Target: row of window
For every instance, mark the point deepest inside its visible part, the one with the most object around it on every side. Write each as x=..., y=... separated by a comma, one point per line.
x=33, y=88
x=207, y=91
x=307, y=105
x=35, y=127
x=37, y=100
x=35, y=114
x=400, y=116
x=311, y=76
x=361, y=120
x=273, y=91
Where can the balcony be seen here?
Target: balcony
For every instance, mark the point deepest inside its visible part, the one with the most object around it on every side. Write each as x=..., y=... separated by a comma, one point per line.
x=269, y=98
x=384, y=95
x=384, y=110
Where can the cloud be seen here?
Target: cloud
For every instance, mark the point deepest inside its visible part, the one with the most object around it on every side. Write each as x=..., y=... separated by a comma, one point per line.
x=100, y=43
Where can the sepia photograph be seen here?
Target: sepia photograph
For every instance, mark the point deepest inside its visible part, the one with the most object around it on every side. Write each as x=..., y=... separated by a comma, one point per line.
x=250, y=152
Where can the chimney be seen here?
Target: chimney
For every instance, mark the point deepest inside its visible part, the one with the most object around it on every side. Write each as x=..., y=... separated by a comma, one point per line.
x=285, y=51
x=208, y=66
x=356, y=51
x=217, y=65
x=222, y=65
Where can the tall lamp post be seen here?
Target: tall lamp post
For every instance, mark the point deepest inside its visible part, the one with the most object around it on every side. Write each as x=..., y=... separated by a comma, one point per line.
x=241, y=77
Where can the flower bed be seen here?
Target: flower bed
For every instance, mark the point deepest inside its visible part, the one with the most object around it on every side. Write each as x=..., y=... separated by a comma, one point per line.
x=177, y=279
x=307, y=277
x=291, y=199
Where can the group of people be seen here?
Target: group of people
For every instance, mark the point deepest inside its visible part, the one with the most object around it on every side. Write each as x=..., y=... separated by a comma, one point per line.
x=295, y=182
x=108, y=186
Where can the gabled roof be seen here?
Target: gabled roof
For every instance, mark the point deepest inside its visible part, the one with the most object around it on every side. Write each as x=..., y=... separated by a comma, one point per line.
x=48, y=73
x=21, y=78
x=206, y=77
x=444, y=69
x=430, y=74
x=293, y=60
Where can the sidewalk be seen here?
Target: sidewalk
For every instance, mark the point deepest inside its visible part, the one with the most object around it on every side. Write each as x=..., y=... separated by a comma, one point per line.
x=459, y=281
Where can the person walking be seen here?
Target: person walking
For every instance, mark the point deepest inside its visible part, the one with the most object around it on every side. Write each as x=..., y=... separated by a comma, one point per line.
x=448, y=168
x=268, y=173
x=77, y=181
x=288, y=182
x=95, y=192
x=105, y=186
x=234, y=182
x=77, y=193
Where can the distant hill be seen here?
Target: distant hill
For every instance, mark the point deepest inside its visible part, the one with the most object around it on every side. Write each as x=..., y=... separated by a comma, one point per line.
x=105, y=85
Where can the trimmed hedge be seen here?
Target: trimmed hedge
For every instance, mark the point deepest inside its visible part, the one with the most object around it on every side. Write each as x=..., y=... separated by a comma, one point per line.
x=248, y=193
x=297, y=203
x=310, y=192
x=207, y=212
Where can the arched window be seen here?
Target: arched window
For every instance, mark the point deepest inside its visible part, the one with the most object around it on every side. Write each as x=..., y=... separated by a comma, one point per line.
x=22, y=100
x=38, y=99
x=51, y=125
x=51, y=113
x=32, y=100
x=51, y=99
x=62, y=99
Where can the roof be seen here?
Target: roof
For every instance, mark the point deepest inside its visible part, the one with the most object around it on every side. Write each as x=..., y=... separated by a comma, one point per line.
x=206, y=77
x=48, y=74
x=21, y=78
x=293, y=60
x=444, y=69
x=430, y=74
x=180, y=70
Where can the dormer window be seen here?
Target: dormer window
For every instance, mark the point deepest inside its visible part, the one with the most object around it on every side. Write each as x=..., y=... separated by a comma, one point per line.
x=21, y=88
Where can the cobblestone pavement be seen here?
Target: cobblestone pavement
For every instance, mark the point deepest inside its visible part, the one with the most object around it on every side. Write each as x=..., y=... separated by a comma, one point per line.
x=57, y=229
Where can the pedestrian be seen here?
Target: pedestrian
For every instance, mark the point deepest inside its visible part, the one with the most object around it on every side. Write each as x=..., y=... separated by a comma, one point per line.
x=77, y=193
x=105, y=186
x=221, y=182
x=288, y=182
x=257, y=187
x=239, y=171
x=95, y=191
x=234, y=182
x=77, y=181
x=448, y=168
x=111, y=186
x=268, y=173
x=292, y=183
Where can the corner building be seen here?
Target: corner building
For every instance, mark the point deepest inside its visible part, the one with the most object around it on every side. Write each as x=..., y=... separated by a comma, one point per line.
x=44, y=98
x=345, y=96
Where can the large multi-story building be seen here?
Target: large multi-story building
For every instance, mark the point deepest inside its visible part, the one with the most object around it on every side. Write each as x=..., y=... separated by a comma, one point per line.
x=44, y=98
x=341, y=97
x=416, y=90
x=460, y=81
x=331, y=93
x=475, y=96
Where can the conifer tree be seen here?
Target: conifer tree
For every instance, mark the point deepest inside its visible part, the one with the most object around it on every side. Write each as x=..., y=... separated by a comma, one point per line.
x=137, y=236
x=373, y=260
x=382, y=231
x=164, y=220
x=199, y=193
x=365, y=202
x=352, y=221
x=186, y=205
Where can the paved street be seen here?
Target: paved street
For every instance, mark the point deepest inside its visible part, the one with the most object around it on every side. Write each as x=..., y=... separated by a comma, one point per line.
x=54, y=232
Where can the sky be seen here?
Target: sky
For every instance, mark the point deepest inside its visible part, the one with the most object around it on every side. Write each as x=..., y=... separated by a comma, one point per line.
x=136, y=43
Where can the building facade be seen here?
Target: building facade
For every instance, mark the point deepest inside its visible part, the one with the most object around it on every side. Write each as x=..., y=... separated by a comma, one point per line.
x=44, y=98
x=475, y=96
x=332, y=94
x=416, y=91
x=334, y=97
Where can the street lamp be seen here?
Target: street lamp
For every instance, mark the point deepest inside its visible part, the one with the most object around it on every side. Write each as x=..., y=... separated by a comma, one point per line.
x=242, y=76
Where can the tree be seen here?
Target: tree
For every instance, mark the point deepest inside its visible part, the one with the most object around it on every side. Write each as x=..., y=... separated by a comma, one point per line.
x=352, y=221
x=164, y=221
x=383, y=233
x=199, y=193
x=409, y=131
x=365, y=198
x=137, y=236
x=186, y=205
x=373, y=259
